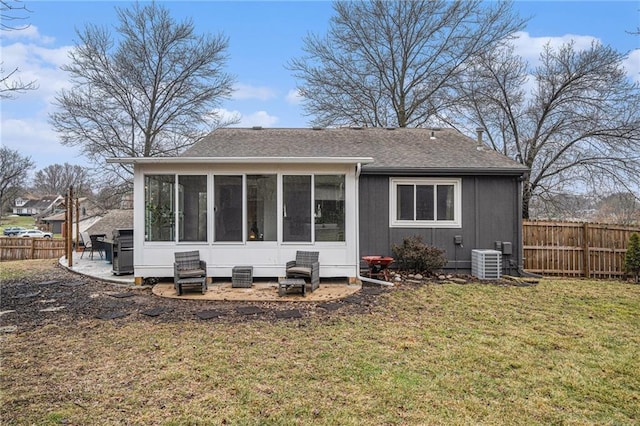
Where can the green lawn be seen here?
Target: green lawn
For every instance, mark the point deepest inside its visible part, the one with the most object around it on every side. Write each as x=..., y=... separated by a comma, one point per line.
x=24, y=221
x=561, y=352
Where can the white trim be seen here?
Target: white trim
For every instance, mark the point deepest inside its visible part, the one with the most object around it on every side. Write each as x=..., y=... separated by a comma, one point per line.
x=457, y=199
x=242, y=206
x=241, y=160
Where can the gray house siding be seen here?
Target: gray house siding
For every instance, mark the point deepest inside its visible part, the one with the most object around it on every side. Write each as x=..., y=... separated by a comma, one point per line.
x=490, y=213
x=375, y=234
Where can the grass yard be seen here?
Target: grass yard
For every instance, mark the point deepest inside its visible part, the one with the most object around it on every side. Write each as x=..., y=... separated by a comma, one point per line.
x=24, y=221
x=24, y=268
x=561, y=352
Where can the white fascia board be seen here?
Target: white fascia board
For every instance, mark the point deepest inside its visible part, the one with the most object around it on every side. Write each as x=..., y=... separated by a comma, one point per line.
x=241, y=160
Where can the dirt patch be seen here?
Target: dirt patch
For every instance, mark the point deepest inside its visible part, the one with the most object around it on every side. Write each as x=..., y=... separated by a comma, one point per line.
x=53, y=295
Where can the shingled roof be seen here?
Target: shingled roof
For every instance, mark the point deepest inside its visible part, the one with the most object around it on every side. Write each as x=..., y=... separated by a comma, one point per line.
x=112, y=220
x=392, y=150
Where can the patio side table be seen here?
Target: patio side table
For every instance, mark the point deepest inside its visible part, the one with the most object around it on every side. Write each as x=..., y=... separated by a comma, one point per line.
x=285, y=284
x=199, y=282
x=242, y=276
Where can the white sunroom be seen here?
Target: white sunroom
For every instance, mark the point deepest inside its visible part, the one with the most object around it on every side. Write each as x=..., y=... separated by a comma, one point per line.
x=245, y=211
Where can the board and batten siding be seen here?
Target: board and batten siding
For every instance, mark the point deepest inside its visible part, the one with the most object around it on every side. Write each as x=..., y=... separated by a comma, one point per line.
x=490, y=213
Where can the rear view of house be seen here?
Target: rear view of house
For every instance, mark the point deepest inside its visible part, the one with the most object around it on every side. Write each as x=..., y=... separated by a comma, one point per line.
x=256, y=196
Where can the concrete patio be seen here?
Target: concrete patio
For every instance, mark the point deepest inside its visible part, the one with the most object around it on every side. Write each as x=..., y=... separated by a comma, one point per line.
x=95, y=268
x=262, y=290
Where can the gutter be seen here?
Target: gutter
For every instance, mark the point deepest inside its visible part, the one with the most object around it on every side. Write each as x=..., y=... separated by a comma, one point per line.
x=358, y=276
x=240, y=160
x=441, y=171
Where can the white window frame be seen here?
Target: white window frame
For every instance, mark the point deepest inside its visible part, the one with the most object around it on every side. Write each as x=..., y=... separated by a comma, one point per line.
x=179, y=219
x=394, y=222
x=212, y=236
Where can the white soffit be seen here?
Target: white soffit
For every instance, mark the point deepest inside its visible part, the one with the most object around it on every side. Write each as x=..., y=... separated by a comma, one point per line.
x=241, y=160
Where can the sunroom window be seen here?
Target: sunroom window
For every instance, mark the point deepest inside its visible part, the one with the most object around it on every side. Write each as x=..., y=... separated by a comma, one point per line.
x=192, y=208
x=228, y=196
x=329, y=207
x=245, y=208
x=262, y=208
x=296, y=210
x=159, y=218
x=425, y=203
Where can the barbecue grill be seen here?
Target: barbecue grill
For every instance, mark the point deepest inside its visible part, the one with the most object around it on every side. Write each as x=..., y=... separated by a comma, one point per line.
x=122, y=251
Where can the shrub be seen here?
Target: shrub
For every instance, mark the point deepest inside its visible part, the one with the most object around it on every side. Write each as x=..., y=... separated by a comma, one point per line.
x=632, y=257
x=414, y=255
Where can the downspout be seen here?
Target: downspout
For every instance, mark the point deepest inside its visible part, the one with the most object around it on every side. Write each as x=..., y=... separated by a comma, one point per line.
x=358, y=276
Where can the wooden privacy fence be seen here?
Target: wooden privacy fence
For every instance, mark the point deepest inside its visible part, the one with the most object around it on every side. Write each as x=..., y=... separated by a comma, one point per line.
x=15, y=248
x=575, y=249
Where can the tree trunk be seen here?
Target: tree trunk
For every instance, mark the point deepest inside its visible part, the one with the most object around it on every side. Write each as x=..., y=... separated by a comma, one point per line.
x=526, y=199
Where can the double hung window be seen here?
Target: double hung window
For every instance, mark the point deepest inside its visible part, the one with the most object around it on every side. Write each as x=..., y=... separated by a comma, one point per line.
x=432, y=203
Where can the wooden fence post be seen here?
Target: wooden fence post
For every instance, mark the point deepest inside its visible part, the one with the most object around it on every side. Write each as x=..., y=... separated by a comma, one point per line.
x=585, y=250
x=77, y=224
x=70, y=228
x=65, y=226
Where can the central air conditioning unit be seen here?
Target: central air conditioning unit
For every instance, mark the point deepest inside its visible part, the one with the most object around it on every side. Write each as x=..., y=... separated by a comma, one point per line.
x=486, y=264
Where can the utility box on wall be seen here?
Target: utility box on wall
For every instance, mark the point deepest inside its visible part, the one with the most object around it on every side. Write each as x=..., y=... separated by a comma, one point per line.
x=507, y=249
x=486, y=264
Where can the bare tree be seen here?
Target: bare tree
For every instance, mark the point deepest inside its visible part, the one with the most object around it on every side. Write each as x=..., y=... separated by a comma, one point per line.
x=14, y=170
x=57, y=178
x=392, y=63
x=578, y=128
x=151, y=92
x=622, y=208
x=114, y=194
x=12, y=17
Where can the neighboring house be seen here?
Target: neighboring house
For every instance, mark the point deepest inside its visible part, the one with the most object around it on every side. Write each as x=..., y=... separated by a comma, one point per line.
x=256, y=196
x=19, y=203
x=33, y=207
x=85, y=209
x=53, y=223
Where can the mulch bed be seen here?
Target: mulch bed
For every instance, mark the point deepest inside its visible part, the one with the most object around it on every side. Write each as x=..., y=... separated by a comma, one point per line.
x=57, y=296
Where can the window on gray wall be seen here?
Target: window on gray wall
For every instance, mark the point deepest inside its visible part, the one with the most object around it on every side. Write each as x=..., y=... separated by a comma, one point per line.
x=425, y=203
